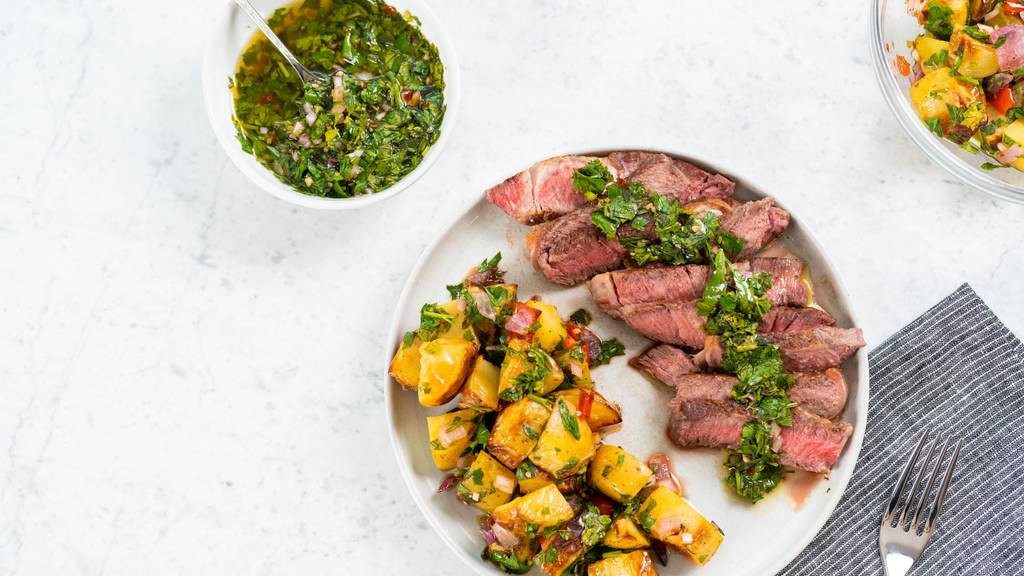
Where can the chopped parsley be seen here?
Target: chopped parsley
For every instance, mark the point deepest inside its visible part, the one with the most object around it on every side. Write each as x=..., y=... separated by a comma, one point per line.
x=569, y=420
x=938, y=20
x=609, y=349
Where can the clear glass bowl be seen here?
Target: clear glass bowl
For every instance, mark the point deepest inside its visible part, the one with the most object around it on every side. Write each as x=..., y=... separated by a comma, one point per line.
x=891, y=28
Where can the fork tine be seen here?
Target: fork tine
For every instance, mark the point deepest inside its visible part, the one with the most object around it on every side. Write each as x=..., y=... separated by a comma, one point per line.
x=901, y=484
x=917, y=481
x=931, y=482
x=933, y=516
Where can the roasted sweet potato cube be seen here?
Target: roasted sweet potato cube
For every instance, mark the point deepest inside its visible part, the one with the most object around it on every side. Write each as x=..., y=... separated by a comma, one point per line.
x=617, y=473
x=636, y=563
x=487, y=484
x=405, y=367
x=516, y=431
x=624, y=535
x=451, y=435
x=566, y=445
x=481, y=388
x=674, y=521
x=444, y=365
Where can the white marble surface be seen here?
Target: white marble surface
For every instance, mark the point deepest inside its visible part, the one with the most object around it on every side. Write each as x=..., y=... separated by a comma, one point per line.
x=191, y=370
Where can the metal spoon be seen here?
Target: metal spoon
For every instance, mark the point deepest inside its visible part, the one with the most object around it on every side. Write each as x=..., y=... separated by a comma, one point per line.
x=305, y=74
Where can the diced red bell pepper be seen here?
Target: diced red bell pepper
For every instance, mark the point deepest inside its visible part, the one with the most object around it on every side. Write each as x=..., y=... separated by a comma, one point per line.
x=268, y=98
x=1003, y=100
x=586, y=402
x=1011, y=7
x=603, y=505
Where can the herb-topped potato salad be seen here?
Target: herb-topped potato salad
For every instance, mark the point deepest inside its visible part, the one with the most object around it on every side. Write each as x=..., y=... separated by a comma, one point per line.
x=969, y=82
x=367, y=124
x=522, y=437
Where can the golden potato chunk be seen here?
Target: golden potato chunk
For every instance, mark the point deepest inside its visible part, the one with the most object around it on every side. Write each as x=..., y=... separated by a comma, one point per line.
x=456, y=329
x=671, y=519
x=978, y=58
x=602, y=412
x=552, y=330
x=936, y=90
x=1015, y=133
x=636, y=563
x=405, y=367
x=617, y=474
x=544, y=507
x=566, y=445
x=624, y=535
x=450, y=436
x=934, y=53
x=559, y=551
x=525, y=361
x=487, y=484
x=516, y=431
x=444, y=365
x=481, y=388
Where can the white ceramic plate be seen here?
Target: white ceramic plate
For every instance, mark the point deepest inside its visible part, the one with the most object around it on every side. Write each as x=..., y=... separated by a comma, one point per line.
x=759, y=539
x=234, y=31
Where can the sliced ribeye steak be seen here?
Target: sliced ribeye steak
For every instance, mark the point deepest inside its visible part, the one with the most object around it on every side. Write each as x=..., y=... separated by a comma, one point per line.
x=542, y=193
x=812, y=443
x=672, y=321
x=613, y=290
x=820, y=393
x=801, y=351
x=571, y=249
x=757, y=224
x=787, y=287
x=782, y=319
x=665, y=363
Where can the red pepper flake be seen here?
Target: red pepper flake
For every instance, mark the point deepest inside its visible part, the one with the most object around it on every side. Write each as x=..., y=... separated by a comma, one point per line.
x=373, y=124
x=390, y=11
x=903, y=65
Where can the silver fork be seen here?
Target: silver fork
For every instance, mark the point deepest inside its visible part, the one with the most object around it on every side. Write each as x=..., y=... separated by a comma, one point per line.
x=900, y=545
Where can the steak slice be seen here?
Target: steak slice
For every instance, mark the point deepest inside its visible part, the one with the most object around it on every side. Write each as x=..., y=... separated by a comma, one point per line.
x=787, y=287
x=619, y=288
x=707, y=423
x=820, y=393
x=679, y=180
x=757, y=224
x=672, y=321
x=664, y=363
x=571, y=249
x=813, y=443
x=613, y=290
x=542, y=193
x=628, y=162
x=785, y=319
x=817, y=348
x=801, y=351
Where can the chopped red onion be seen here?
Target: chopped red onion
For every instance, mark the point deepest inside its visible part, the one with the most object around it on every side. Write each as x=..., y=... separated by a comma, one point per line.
x=660, y=465
x=505, y=536
x=310, y=118
x=364, y=75
x=483, y=302
x=489, y=536
x=264, y=130
x=299, y=127
x=304, y=140
x=447, y=483
x=1010, y=154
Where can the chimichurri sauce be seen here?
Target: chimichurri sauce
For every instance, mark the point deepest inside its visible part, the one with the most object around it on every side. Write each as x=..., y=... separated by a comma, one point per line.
x=367, y=124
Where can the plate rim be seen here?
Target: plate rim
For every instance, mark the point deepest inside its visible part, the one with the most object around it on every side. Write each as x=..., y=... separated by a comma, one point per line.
x=853, y=446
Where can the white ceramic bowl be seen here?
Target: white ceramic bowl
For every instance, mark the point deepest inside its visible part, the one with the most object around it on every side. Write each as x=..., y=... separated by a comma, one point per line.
x=760, y=539
x=233, y=33
x=891, y=28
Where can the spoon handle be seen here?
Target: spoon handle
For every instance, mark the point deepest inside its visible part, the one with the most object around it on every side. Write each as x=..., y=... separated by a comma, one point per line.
x=304, y=74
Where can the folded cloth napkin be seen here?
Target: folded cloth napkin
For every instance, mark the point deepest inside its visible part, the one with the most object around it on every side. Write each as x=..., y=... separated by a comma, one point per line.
x=959, y=370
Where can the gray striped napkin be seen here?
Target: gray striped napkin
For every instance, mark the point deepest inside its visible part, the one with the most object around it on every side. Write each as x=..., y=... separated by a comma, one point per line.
x=955, y=369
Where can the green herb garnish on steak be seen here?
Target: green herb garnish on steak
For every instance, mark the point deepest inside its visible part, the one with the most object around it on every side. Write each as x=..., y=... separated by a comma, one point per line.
x=367, y=124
